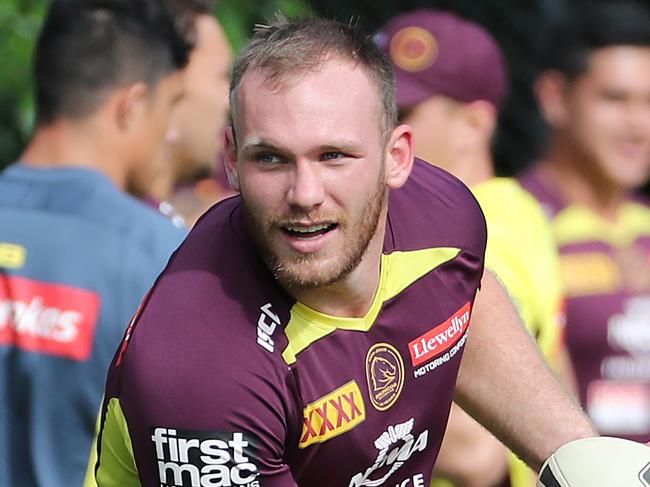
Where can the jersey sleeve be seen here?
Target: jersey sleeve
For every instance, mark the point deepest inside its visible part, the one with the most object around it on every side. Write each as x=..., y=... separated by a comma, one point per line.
x=117, y=465
x=192, y=399
x=435, y=209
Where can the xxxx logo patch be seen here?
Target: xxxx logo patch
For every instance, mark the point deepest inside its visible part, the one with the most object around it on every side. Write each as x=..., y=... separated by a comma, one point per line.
x=333, y=414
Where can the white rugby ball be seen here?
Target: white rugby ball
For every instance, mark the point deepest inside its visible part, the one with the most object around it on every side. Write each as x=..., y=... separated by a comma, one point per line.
x=597, y=462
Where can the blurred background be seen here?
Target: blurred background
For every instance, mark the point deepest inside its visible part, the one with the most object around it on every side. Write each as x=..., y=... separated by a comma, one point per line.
x=518, y=25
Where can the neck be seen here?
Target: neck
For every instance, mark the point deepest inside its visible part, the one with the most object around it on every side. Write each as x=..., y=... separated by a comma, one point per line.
x=353, y=295
x=68, y=143
x=473, y=169
x=579, y=184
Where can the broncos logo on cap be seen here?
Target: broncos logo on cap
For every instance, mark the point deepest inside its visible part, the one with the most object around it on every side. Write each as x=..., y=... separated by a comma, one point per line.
x=413, y=49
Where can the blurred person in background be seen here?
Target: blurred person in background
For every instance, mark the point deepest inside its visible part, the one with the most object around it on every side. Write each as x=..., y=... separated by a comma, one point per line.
x=594, y=94
x=451, y=82
x=194, y=177
x=77, y=253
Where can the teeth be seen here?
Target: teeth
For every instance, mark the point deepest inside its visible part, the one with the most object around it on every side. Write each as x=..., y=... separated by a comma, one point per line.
x=315, y=228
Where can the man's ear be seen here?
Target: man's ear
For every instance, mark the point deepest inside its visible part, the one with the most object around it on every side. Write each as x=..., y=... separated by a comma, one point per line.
x=230, y=151
x=130, y=105
x=550, y=90
x=482, y=116
x=399, y=156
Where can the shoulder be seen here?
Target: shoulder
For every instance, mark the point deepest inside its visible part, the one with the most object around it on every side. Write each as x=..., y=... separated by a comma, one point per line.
x=141, y=222
x=203, y=355
x=533, y=181
x=147, y=238
x=640, y=199
x=505, y=202
x=86, y=198
x=435, y=209
x=521, y=250
x=215, y=292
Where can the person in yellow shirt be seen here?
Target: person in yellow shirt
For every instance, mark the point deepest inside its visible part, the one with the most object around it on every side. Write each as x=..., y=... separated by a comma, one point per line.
x=451, y=82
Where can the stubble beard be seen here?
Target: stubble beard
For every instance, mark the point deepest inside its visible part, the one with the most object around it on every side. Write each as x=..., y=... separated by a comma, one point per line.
x=308, y=271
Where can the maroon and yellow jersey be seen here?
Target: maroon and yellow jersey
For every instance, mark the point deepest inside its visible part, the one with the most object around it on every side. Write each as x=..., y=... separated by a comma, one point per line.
x=605, y=269
x=224, y=379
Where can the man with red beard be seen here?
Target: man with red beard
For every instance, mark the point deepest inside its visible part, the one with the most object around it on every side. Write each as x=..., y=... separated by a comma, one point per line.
x=310, y=331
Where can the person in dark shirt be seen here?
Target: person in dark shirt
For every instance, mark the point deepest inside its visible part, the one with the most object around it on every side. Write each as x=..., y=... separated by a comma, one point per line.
x=310, y=331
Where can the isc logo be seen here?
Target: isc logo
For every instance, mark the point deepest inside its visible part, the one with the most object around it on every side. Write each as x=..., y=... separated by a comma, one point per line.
x=203, y=459
x=266, y=325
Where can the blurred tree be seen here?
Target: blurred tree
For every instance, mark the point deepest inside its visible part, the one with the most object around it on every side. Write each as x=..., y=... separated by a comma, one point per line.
x=20, y=21
x=240, y=16
x=19, y=24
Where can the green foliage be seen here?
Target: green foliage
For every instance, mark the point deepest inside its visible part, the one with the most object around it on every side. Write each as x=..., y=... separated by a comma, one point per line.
x=20, y=21
x=239, y=17
x=19, y=24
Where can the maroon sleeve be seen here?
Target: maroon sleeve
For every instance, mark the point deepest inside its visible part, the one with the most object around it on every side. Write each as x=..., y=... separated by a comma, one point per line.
x=203, y=401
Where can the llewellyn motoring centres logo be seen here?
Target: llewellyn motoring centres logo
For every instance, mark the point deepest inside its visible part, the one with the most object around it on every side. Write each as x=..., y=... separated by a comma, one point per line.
x=385, y=375
x=441, y=343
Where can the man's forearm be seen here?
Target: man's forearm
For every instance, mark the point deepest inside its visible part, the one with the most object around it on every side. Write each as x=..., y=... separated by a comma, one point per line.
x=506, y=385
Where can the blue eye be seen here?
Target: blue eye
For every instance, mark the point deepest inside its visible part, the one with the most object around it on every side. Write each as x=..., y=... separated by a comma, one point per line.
x=268, y=158
x=328, y=156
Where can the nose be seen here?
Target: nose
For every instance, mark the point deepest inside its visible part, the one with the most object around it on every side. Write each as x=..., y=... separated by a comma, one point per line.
x=173, y=133
x=307, y=191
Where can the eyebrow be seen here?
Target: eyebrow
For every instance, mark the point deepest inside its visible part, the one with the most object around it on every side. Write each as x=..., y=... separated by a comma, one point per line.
x=259, y=143
x=340, y=145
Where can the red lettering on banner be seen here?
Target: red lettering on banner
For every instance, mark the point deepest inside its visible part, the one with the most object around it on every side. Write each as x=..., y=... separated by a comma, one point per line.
x=308, y=427
x=341, y=415
x=352, y=402
x=53, y=319
x=441, y=338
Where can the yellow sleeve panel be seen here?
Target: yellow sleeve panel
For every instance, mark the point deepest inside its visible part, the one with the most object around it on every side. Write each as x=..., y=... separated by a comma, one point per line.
x=438, y=482
x=116, y=463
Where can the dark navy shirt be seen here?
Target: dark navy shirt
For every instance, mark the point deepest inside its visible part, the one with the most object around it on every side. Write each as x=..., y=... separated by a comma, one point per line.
x=76, y=257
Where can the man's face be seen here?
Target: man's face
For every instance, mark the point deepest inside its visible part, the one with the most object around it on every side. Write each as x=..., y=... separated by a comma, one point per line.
x=310, y=168
x=608, y=115
x=151, y=119
x=196, y=129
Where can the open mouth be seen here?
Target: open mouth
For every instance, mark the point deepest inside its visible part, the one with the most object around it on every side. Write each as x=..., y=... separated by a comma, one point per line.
x=306, y=232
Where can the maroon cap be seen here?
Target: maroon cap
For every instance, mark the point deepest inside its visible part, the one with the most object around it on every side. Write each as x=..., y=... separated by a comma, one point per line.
x=439, y=53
